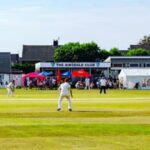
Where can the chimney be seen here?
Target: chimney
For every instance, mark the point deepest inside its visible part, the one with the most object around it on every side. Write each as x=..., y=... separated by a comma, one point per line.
x=55, y=43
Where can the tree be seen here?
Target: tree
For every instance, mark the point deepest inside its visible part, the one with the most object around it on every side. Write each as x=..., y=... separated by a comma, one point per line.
x=104, y=54
x=115, y=52
x=26, y=68
x=145, y=41
x=138, y=52
x=76, y=52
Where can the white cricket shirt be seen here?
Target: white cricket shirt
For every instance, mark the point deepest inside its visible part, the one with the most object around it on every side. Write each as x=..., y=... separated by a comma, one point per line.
x=65, y=88
x=103, y=82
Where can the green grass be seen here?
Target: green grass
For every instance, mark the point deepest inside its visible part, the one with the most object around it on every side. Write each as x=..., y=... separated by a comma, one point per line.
x=119, y=120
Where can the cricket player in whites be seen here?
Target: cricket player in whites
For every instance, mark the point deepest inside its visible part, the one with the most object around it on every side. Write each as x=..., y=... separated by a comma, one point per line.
x=65, y=92
x=11, y=88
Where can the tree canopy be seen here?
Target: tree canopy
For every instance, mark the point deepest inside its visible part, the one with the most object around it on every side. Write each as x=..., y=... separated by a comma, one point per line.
x=104, y=54
x=115, y=52
x=90, y=52
x=138, y=52
x=76, y=52
x=26, y=68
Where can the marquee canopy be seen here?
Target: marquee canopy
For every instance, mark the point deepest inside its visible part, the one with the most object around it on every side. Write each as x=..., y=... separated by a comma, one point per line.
x=33, y=75
x=130, y=77
x=66, y=74
x=45, y=73
x=81, y=73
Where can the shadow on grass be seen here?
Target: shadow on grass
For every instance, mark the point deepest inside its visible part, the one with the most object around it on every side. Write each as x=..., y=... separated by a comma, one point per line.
x=88, y=111
x=74, y=114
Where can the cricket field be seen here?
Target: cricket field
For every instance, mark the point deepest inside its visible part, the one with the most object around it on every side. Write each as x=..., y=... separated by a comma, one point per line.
x=119, y=120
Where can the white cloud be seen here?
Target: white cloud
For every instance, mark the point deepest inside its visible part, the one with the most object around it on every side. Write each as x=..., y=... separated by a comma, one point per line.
x=28, y=9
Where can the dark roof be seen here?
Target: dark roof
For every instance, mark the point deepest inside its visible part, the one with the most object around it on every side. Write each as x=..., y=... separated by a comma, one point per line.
x=38, y=53
x=14, y=58
x=127, y=57
x=5, y=62
x=134, y=46
x=123, y=51
x=147, y=47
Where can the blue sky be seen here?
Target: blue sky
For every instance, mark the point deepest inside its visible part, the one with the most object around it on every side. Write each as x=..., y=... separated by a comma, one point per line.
x=109, y=23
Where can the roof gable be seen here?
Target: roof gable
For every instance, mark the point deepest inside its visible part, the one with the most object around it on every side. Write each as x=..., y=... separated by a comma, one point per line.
x=38, y=53
x=5, y=62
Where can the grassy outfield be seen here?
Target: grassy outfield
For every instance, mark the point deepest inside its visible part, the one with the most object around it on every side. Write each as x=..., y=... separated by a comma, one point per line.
x=119, y=120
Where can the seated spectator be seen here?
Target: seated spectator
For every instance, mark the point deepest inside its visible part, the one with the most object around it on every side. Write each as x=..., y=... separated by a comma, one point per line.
x=30, y=84
x=98, y=83
x=110, y=85
x=40, y=84
x=79, y=85
x=136, y=85
x=92, y=85
x=54, y=83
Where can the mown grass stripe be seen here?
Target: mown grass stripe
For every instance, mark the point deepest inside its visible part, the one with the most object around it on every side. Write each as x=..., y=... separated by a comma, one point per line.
x=74, y=130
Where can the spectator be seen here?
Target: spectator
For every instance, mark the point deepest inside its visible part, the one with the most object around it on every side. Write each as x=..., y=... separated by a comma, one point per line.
x=92, y=85
x=87, y=83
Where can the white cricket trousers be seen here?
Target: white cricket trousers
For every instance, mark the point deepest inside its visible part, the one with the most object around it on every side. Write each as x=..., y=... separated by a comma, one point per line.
x=60, y=101
x=87, y=86
x=9, y=92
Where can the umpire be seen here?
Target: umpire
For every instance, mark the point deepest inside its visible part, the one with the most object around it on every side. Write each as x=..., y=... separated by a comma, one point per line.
x=103, y=83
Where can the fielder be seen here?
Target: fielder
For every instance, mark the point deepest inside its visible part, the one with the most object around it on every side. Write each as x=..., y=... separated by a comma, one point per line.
x=11, y=88
x=65, y=92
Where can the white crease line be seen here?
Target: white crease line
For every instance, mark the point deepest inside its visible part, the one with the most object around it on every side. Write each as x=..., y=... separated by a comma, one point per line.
x=78, y=99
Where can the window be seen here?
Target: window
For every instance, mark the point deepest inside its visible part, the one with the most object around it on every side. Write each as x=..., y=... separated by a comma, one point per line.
x=117, y=65
x=147, y=65
x=134, y=65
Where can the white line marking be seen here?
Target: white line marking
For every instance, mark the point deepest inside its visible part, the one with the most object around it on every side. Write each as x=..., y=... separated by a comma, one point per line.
x=78, y=99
